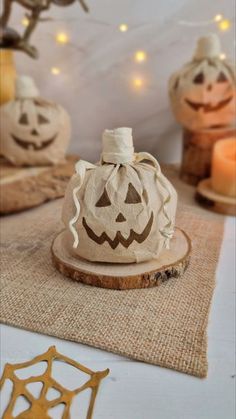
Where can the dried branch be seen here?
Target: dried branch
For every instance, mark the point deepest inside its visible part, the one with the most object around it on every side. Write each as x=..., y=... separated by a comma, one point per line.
x=7, y=5
x=11, y=39
x=84, y=6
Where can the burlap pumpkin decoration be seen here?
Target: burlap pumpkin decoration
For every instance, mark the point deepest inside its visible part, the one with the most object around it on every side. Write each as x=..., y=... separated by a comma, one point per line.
x=203, y=92
x=122, y=209
x=33, y=131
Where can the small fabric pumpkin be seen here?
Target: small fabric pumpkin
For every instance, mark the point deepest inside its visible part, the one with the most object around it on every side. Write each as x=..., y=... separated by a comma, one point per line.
x=203, y=92
x=122, y=209
x=33, y=131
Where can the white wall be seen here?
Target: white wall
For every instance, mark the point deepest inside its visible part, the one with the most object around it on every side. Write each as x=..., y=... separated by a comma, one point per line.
x=95, y=83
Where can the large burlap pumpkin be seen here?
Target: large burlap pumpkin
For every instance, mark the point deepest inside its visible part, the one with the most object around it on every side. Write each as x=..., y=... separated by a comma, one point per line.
x=122, y=209
x=203, y=92
x=33, y=131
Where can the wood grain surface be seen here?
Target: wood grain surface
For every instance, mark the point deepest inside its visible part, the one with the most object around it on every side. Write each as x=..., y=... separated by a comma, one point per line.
x=171, y=263
x=26, y=187
x=213, y=201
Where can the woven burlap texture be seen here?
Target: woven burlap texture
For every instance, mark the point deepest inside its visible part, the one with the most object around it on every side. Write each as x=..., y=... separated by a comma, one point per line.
x=165, y=326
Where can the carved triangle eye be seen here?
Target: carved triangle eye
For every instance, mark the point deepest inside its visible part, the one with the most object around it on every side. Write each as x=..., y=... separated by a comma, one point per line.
x=104, y=200
x=222, y=78
x=199, y=78
x=132, y=196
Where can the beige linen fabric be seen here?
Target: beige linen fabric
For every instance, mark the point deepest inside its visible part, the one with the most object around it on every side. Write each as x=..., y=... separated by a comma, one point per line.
x=202, y=93
x=121, y=211
x=33, y=131
x=165, y=326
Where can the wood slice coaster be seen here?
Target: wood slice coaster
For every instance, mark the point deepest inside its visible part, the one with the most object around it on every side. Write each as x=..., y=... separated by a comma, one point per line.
x=213, y=201
x=197, y=152
x=26, y=187
x=171, y=263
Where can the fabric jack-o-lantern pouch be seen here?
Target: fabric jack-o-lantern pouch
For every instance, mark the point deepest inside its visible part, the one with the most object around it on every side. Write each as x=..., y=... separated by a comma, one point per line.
x=122, y=209
x=33, y=131
x=203, y=92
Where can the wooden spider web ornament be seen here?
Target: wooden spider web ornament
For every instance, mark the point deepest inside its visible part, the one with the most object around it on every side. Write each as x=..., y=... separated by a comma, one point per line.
x=39, y=406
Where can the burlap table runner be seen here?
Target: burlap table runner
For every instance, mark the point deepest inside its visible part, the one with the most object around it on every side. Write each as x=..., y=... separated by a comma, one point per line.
x=164, y=326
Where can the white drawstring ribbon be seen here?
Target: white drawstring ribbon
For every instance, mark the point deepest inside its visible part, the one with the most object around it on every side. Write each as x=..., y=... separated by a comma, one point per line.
x=80, y=168
x=168, y=231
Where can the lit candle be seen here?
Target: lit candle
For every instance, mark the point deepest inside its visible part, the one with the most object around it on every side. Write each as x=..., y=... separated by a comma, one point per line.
x=223, y=175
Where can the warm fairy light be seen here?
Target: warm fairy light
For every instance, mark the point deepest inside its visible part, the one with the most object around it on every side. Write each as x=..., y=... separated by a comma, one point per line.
x=55, y=71
x=218, y=18
x=138, y=82
x=62, y=38
x=224, y=25
x=25, y=21
x=222, y=56
x=140, y=56
x=123, y=27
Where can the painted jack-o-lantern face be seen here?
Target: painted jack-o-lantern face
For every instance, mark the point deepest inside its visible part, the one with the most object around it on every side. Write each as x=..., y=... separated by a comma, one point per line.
x=132, y=198
x=203, y=96
x=203, y=92
x=121, y=215
x=207, y=106
x=34, y=132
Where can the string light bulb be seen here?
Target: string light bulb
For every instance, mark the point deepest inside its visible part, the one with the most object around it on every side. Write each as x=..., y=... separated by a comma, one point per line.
x=62, y=38
x=25, y=21
x=222, y=56
x=140, y=56
x=224, y=25
x=55, y=71
x=218, y=18
x=123, y=27
x=138, y=82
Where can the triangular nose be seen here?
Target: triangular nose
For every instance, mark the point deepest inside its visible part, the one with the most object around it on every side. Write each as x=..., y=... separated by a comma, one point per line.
x=34, y=132
x=120, y=218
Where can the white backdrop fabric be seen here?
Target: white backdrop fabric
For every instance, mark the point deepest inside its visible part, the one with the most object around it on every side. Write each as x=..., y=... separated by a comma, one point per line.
x=97, y=68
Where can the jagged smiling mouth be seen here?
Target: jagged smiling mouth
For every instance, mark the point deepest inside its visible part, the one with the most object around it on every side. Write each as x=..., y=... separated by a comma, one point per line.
x=28, y=145
x=119, y=238
x=207, y=107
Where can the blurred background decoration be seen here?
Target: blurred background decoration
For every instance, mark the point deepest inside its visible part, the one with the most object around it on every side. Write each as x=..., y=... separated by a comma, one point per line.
x=12, y=39
x=111, y=67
